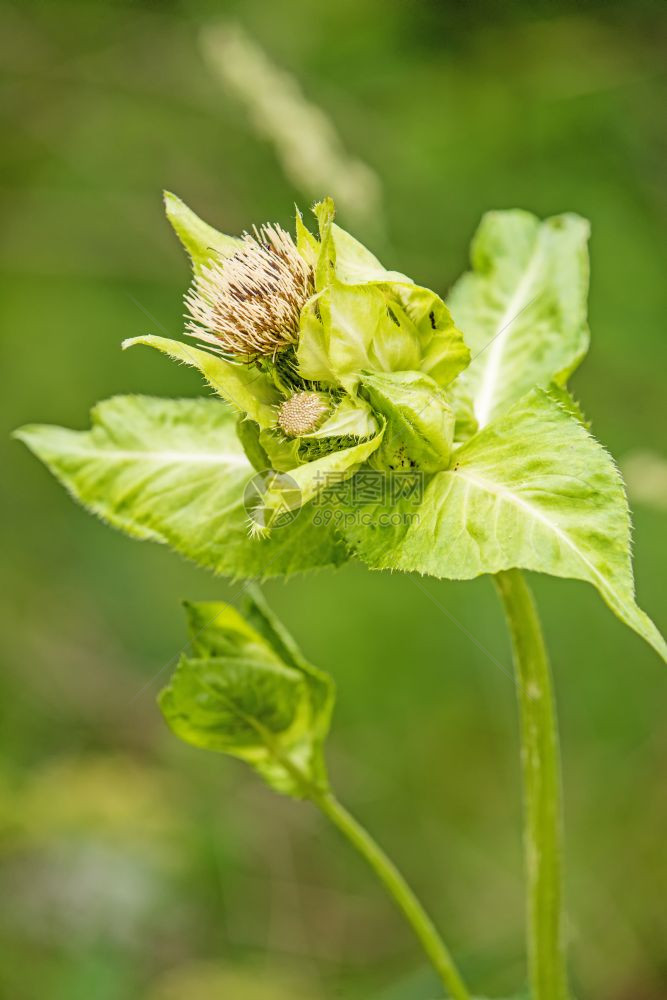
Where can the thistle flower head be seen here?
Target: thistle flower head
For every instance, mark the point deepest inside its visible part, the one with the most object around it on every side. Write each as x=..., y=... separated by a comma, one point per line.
x=302, y=413
x=249, y=304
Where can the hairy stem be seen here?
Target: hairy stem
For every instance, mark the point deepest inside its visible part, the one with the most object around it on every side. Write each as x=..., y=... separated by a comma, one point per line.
x=399, y=890
x=540, y=761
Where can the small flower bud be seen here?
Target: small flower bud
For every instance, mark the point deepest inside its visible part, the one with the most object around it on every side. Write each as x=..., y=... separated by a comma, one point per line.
x=250, y=303
x=302, y=413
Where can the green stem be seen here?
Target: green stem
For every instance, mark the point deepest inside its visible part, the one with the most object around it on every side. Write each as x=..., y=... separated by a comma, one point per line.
x=541, y=789
x=400, y=891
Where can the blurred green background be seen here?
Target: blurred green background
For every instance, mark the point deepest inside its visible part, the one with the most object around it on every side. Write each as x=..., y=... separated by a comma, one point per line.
x=135, y=867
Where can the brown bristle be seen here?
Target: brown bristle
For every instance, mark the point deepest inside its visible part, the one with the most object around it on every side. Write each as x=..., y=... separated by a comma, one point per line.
x=249, y=304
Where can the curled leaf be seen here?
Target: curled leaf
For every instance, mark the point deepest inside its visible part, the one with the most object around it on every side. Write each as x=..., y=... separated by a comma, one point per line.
x=350, y=418
x=365, y=318
x=248, y=692
x=420, y=423
x=305, y=482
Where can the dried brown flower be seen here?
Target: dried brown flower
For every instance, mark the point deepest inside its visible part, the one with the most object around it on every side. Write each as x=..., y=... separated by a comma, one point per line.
x=249, y=304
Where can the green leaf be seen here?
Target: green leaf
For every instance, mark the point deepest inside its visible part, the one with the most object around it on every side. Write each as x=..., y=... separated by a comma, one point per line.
x=309, y=476
x=249, y=390
x=533, y=490
x=307, y=245
x=466, y=424
x=247, y=708
x=569, y=403
x=445, y=353
x=313, y=350
x=263, y=620
x=522, y=307
x=249, y=435
x=306, y=481
x=367, y=318
x=356, y=265
x=420, y=424
x=175, y=472
x=351, y=417
x=248, y=692
x=219, y=630
x=282, y=452
x=324, y=211
x=202, y=242
x=356, y=333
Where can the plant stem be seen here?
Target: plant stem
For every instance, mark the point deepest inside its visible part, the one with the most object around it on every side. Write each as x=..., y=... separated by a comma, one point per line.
x=400, y=891
x=540, y=761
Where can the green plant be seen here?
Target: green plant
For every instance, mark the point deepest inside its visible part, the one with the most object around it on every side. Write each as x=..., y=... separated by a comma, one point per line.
x=361, y=423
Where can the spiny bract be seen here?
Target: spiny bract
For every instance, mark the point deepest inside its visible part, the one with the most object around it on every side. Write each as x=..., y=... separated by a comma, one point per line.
x=302, y=413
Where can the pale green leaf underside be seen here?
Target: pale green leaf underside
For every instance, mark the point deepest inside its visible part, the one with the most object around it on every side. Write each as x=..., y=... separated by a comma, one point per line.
x=522, y=308
x=365, y=318
x=174, y=471
x=533, y=490
x=247, y=389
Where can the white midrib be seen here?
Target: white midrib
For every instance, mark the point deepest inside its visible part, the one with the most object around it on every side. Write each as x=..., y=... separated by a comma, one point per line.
x=484, y=401
x=162, y=457
x=506, y=494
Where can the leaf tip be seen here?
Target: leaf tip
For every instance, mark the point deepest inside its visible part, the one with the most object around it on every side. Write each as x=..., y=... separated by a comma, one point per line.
x=324, y=210
x=170, y=201
x=26, y=434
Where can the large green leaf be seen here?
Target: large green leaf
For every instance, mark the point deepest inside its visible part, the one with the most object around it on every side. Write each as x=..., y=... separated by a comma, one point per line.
x=533, y=490
x=174, y=471
x=522, y=308
x=247, y=691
